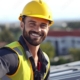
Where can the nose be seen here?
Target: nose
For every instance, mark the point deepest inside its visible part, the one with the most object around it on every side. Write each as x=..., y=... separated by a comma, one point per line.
x=37, y=28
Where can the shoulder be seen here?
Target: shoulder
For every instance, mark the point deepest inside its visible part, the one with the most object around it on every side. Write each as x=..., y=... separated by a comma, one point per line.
x=46, y=57
x=9, y=57
x=47, y=66
x=5, y=50
x=8, y=48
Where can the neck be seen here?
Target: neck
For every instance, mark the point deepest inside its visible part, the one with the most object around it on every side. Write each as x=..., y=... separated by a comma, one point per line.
x=33, y=49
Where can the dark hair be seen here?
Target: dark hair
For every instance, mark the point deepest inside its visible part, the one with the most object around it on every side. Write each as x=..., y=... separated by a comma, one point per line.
x=49, y=22
x=23, y=18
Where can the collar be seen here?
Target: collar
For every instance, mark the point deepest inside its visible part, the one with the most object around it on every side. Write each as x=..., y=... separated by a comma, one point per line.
x=23, y=43
x=41, y=57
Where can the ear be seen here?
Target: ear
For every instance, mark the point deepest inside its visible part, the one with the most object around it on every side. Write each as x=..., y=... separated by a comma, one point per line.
x=22, y=25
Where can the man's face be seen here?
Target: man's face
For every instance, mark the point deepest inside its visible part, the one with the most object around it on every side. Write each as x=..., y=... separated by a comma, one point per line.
x=35, y=30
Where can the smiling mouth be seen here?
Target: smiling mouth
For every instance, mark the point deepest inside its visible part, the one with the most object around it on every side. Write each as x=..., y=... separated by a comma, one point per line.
x=34, y=35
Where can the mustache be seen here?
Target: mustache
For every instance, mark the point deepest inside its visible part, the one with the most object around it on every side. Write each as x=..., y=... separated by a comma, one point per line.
x=39, y=33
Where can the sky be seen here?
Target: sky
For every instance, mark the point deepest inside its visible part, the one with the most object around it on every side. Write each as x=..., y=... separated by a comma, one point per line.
x=61, y=9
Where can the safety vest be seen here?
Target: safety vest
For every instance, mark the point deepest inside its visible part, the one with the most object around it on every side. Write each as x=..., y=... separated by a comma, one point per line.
x=24, y=71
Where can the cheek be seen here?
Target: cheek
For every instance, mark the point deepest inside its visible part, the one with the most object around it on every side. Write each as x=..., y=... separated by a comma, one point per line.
x=27, y=29
x=46, y=31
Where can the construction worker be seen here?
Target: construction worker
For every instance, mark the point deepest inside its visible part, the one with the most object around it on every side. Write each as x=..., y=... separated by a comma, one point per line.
x=23, y=59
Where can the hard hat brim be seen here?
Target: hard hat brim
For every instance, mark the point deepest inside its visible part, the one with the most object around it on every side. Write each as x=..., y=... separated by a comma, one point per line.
x=38, y=16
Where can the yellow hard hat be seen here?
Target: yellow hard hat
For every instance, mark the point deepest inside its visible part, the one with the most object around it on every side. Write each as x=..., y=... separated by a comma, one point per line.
x=37, y=8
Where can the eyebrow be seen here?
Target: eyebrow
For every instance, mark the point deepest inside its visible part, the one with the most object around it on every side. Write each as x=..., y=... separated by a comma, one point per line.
x=35, y=22
x=32, y=21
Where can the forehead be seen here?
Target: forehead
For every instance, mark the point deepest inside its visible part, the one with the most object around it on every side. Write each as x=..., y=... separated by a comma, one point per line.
x=37, y=19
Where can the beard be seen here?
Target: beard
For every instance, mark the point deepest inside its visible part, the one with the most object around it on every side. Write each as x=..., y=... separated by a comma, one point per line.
x=33, y=41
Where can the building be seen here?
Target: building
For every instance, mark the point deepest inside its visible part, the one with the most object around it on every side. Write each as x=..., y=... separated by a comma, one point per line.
x=64, y=40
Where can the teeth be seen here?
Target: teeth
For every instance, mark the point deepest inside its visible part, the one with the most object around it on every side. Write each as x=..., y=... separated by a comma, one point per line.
x=35, y=34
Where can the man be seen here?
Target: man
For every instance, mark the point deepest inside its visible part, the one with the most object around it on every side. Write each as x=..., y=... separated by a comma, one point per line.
x=23, y=59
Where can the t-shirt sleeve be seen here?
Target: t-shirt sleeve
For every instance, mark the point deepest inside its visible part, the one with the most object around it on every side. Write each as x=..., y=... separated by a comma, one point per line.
x=8, y=62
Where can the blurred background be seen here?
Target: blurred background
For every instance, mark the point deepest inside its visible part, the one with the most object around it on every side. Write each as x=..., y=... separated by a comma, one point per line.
x=63, y=41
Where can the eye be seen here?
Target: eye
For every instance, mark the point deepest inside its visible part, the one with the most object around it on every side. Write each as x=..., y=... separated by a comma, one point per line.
x=32, y=24
x=43, y=26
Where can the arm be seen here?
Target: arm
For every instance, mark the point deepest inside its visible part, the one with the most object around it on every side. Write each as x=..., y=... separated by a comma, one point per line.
x=8, y=62
x=4, y=68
